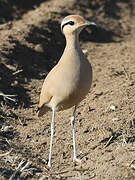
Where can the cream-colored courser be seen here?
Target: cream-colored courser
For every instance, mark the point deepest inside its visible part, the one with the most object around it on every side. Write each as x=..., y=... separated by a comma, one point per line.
x=70, y=80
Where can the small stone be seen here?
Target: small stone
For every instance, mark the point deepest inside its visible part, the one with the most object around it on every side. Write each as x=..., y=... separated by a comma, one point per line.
x=85, y=51
x=115, y=119
x=113, y=108
x=7, y=128
x=39, y=48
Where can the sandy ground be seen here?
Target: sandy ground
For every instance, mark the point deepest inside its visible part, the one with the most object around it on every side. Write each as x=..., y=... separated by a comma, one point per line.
x=31, y=43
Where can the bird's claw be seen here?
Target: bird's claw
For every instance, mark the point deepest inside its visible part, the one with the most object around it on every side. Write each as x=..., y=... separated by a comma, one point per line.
x=76, y=160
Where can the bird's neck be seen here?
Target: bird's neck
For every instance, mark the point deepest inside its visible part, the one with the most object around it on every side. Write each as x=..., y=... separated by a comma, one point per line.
x=72, y=42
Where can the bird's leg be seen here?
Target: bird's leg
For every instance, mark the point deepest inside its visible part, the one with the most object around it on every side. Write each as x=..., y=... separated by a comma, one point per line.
x=73, y=132
x=51, y=140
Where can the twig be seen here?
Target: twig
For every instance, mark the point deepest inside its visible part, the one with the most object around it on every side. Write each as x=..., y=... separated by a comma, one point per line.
x=16, y=72
x=132, y=164
x=20, y=168
x=124, y=140
x=7, y=96
x=17, y=170
x=25, y=167
x=108, y=141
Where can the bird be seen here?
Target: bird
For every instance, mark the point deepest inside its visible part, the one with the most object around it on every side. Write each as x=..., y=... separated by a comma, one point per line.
x=67, y=84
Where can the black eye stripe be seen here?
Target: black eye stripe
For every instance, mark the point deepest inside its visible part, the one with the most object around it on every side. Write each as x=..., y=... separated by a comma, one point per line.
x=70, y=22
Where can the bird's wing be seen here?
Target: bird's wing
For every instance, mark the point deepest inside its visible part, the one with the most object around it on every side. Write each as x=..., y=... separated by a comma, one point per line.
x=45, y=98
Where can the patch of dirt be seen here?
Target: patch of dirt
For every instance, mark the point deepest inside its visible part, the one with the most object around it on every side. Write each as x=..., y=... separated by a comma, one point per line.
x=31, y=43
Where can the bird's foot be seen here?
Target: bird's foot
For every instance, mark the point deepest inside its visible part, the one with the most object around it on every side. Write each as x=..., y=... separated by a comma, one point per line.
x=49, y=164
x=72, y=118
x=76, y=160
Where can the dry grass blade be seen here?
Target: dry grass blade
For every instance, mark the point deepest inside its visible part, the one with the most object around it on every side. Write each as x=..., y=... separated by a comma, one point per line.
x=5, y=154
x=126, y=73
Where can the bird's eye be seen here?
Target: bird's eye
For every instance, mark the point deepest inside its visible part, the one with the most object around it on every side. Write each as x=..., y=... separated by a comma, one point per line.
x=67, y=23
x=71, y=23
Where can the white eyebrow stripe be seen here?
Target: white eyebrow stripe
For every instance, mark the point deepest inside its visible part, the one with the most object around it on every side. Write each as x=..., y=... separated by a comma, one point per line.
x=64, y=22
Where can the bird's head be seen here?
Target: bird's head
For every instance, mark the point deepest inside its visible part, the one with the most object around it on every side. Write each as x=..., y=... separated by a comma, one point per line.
x=74, y=24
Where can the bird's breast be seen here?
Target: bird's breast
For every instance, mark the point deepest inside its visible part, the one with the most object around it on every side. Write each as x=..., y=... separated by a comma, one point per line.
x=74, y=83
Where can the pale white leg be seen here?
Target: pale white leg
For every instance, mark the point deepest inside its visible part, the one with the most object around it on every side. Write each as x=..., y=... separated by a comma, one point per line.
x=51, y=140
x=73, y=132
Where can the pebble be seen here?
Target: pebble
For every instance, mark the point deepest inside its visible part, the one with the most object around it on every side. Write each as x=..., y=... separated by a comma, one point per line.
x=113, y=108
